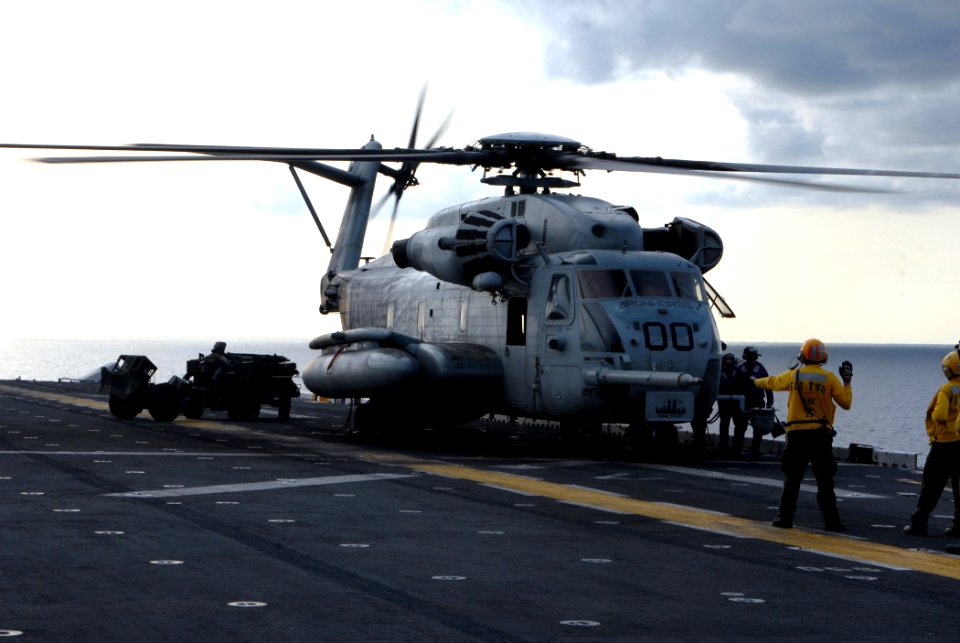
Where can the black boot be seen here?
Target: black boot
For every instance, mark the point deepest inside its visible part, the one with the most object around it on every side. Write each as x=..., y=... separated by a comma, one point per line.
x=783, y=522
x=835, y=525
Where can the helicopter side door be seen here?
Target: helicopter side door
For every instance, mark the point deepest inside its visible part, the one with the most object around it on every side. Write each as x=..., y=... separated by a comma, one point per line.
x=516, y=379
x=558, y=372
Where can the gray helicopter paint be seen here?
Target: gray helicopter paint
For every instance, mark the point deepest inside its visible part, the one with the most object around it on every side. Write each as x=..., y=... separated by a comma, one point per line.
x=538, y=380
x=485, y=307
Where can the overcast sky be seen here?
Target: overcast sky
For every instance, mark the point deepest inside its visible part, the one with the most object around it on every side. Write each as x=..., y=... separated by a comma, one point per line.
x=229, y=250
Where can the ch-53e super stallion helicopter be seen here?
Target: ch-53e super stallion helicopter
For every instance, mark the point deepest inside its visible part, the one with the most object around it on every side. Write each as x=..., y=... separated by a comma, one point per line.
x=531, y=304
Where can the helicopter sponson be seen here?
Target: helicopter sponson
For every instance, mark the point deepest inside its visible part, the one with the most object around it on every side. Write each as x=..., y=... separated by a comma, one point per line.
x=365, y=362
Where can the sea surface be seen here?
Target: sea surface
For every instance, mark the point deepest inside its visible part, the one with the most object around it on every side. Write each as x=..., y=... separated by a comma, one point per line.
x=892, y=384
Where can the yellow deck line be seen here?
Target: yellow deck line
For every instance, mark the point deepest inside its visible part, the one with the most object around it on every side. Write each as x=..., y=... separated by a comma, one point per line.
x=844, y=547
x=840, y=546
x=56, y=397
x=97, y=405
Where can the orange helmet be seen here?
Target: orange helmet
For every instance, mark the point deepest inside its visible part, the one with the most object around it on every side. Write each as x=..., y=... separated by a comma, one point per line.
x=814, y=351
x=952, y=361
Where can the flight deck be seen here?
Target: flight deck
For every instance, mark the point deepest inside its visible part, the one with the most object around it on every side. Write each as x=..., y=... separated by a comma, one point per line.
x=293, y=530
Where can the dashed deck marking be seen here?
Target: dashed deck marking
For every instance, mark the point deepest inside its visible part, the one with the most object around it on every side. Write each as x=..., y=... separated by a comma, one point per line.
x=289, y=483
x=861, y=551
x=151, y=454
x=852, y=549
x=769, y=482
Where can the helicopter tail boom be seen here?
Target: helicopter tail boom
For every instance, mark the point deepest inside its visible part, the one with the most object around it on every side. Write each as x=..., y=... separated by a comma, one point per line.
x=353, y=228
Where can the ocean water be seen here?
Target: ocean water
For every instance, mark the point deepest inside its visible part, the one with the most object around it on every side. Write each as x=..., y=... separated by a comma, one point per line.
x=52, y=360
x=892, y=384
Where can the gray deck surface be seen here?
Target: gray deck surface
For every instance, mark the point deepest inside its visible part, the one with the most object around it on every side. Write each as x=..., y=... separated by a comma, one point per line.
x=213, y=530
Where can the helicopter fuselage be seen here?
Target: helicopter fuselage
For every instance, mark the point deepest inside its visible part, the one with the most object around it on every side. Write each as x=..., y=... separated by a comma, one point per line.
x=580, y=323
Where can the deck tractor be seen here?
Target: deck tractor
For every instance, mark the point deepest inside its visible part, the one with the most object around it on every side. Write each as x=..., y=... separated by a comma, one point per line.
x=238, y=383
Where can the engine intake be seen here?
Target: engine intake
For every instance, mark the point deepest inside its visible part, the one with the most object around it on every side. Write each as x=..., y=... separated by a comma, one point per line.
x=691, y=240
x=484, y=242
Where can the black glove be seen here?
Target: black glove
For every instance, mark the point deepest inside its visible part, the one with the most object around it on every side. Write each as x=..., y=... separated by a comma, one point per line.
x=846, y=372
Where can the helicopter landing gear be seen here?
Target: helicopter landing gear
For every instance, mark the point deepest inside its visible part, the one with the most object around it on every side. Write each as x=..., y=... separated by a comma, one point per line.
x=639, y=440
x=580, y=434
x=368, y=418
x=649, y=441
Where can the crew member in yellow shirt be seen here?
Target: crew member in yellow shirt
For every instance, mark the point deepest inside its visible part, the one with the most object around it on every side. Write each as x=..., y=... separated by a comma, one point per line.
x=810, y=412
x=943, y=460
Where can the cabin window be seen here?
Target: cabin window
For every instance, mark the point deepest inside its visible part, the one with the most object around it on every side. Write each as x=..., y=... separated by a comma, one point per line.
x=650, y=283
x=688, y=285
x=559, y=299
x=517, y=321
x=602, y=284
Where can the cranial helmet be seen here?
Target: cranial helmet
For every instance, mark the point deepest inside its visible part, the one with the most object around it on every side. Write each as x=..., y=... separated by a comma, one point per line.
x=219, y=347
x=814, y=351
x=729, y=358
x=952, y=361
x=751, y=352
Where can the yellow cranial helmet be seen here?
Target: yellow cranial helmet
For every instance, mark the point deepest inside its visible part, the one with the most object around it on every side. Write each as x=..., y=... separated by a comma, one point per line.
x=814, y=351
x=952, y=361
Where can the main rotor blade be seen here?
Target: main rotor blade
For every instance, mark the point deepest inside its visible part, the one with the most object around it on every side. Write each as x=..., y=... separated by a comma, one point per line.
x=623, y=163
x=225, y=152
x=619, y=165
x=537, y=160
x=448, y=157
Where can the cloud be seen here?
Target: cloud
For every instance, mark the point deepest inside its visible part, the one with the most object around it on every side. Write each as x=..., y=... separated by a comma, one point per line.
x=811, y=48
x=866, y=84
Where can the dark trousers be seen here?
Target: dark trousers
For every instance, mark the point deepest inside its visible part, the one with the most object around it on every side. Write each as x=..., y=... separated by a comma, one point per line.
x=725, y=411
x=943, y=463
x=814, y=446
x=740, y=421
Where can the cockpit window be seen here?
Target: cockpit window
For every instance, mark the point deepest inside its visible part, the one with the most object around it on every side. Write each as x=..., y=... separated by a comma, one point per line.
x=650, y=283
x=559, y=300
x=688, y=285
x=602, y=284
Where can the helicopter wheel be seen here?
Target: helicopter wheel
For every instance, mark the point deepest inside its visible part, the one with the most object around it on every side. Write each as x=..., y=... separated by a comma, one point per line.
x=666, y=441
x=367, y=420
x=579, y=435
x=639, y=440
